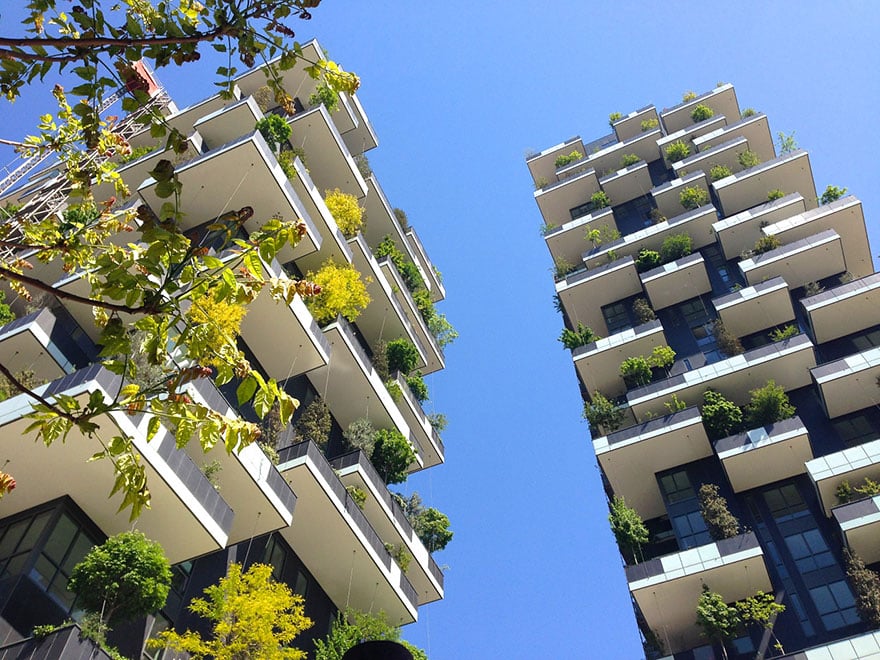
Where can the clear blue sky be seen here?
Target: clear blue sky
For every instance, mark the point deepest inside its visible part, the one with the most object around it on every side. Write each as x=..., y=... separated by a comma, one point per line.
x=457, y=92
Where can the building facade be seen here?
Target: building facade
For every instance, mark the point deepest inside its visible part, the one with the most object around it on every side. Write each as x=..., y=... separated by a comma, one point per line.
x=297, y=512
x=691, y=256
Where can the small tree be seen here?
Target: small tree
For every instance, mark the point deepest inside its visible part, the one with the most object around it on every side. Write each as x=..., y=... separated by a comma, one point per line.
x=768, y=405
x=629, y=159
x=647, y=259
x=392, y=455
x=721, y=417
x=642, y=310
x=314, y=423
x=762, y=610
x=417, y=386
x=403, y=356
x=649, y=124
x=721, y=522
x=702, y=112
x=717, y=619
x=342, y=291
x=253, y=617
x=766, y=243
x=275, y=130
x=125, y=577
x=600, y=200
x=693, y=197
x=786, y=142
x=636, y=371
x=430, y=525
x=326, y=96
x=678, y=245
x=582, y=336
x=727, y=342
x=677, y=151
x=662, y=357
x=717, y=172
x=613, y=117
x=748, y=158
x=352, y=627
x=346, y=211
x=832, y=193
x=866, y=585
x=360, y=434
x=628, y=528
x=602, y=414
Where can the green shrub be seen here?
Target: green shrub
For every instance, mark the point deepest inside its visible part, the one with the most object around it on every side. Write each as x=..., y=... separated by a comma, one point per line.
x=285, y=160
x=343, y=292
x=314, y=423
x=773, y=195
x=410, y=273
x=642, y=309
x=748, y=158
x=769, y=404
x=656, y=216
x=402, y=355
x=604, y=234
x=748, y=112
x=786, y=143
x=866, y=585
x=613, y=117
x=275, y=130
x=675, y=247
x=832, y=193
x=628, y=528
x=785, y=333
x=693, y=197
x=392, y=455
x=647, y=260
x=677, y=151
x=702, y=113
x=650, y=124
x=136, y=153
x=674, y=404
x=717, y=172
x=562, y=267
x=629, y=159
x=402, y=219
x=662, y=357
x=416, y=383
x=602, y=414
x=847, y=493
x=360, y=434
x=582, y=336
x=563, y=160
x=765, y=244
x=721, y=417
x=346, y=211
x=359, y=495
x=636, y=371
x=726, y=341
x=721, y=522
x=688, y=96
x=324, y=95
x=600, y=200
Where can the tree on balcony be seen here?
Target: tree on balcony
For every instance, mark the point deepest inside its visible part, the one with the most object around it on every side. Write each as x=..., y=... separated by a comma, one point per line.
x=314, y=423
x=392, y=455
x=832, y=194
x=602, y=414
x=866, y=584
x=346, y=211
x=717, y=620
x=342, y=292
x=761, y=610
x=572, y=339
x=769, y=404
x=352, y=627
x=628, y=528
x=722, y=524
x=721, y=417
x=430, y=525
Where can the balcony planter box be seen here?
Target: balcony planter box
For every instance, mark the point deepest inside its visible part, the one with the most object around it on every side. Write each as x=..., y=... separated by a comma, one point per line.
x=63, y=644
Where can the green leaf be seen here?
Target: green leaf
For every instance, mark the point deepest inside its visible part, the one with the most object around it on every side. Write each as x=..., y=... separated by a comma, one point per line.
x=152, y=428
x=246, y=389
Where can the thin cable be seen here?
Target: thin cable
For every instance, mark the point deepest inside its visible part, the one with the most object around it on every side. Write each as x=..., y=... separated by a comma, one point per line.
x=253, y=533
x=350, y=578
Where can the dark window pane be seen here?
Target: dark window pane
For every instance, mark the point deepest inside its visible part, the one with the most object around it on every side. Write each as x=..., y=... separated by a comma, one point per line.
x=34, y=531
x=80, y=548
x=60, y=539
x=12, y=537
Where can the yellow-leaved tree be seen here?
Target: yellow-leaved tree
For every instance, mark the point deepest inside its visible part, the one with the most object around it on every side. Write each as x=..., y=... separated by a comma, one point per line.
x=254, y=617
x=344, y=208
x=218, y=324
x=343, y=291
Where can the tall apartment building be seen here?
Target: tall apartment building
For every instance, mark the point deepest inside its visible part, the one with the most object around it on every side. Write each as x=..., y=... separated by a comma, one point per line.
x=297, y=514
x=762, y=280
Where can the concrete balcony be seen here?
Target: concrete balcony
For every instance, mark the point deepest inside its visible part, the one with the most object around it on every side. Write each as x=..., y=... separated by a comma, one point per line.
x=424, y=436
x=187, y=516
x=643, y=145
x=755, y=129
x=764, y=455
x=184, y=119
x=555, y=200
x=433, y=354
x=390, y=523
x=849, y=384
x=807, y=260
x=789, y=173
x=362, y=137
x=725, y=154
x=384, y=319
x=722, y=100
x=249, y=482
x=755, y=308
x=852, y=465
x=350, y=385
x=330, y=163
x=668, y=195
x=689, y=134
x=228, y=123
x=242, y=173
x=844, y=309
x=666, y=589
x=866, y=645
x=542, y=166
x=697, y=224
x=568, y=242
x=67, y=643
x=432, y=279
x=628, y=183
x=787, y=362
x=630, y=126
x=37, y=343
x=329, y=531
x=845, y=217
x=584, y=293
x=859, y=522
x=598, y=363
x=739, y=232
x=676, y=281
x=383, y=222
x=631, y=457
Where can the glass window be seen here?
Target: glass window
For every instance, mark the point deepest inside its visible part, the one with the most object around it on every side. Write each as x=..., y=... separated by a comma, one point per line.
x=809, y=550
x=616, y=317
x=835, y=604
x=676, y=486
x=785, y=503
x=854, y=430
x=690, y=529
x=301, y=586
